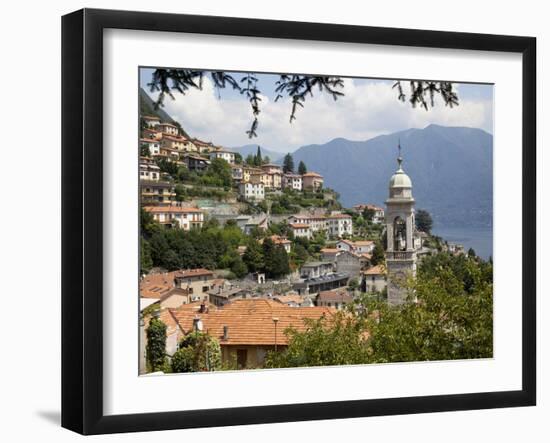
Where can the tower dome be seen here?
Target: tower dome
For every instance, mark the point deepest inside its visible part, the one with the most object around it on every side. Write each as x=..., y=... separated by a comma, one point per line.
x=400, y=183
x=400, y=179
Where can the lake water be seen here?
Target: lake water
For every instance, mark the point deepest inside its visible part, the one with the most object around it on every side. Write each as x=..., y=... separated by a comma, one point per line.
x=480, y=239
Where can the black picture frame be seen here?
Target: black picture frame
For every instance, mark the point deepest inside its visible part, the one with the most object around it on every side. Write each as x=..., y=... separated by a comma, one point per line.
x=82, y=218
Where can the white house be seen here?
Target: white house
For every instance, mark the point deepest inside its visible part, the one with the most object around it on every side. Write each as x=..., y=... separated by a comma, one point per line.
x=228, y=156
x=148, y=170
x=171, y=216
x=374, y=279
x=152, y=144
x=292, y=181
x=316, y=222
x=237, y=172
x=300, y=230
x=339, y=225
x=252, y=191
x=358, y=247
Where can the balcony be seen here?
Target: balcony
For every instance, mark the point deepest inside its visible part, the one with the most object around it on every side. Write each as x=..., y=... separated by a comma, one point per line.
x=401, y=255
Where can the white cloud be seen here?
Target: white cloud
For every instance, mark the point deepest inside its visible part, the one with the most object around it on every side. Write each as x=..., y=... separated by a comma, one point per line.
x=367, y=109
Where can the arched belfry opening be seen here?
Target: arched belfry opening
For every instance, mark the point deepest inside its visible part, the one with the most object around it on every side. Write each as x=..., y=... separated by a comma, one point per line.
x=399, y=234
x=400, y=252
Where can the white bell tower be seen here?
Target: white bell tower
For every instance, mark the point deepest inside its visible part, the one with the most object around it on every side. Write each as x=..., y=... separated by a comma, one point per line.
x=400, y=251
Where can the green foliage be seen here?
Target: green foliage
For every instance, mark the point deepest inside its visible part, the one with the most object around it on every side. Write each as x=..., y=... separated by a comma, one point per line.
x=148, y=225
x=288, y=163
x=167, y=166
x=353, y=284
x=258, y=158
x=156, y=345
x=300, y=255
x=276, y=262
x=197, y=352
x=378, y=256
x=254, y=256
x=239, y=268
x=338, y=340
x=250, y=160
x=218, y=173
x=448, y=315
x=238, y=158
x=180, y=193
x=368, y=214
x=208, y=247
x=145, y=260
x=302, y=169
x=423, y=220
x=144, y=150
x=446, y=323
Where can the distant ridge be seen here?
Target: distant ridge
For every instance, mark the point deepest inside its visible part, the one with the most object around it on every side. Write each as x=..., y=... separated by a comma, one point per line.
x=146, y=107
x=451, y=169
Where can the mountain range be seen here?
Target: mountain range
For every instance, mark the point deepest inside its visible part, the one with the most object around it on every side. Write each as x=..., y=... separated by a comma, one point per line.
x=451, y=169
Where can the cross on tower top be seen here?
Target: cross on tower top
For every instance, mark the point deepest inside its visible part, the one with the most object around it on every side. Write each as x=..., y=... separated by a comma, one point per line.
x=399, y=158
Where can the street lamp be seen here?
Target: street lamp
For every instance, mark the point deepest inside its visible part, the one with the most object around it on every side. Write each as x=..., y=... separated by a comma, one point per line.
x=275, y=320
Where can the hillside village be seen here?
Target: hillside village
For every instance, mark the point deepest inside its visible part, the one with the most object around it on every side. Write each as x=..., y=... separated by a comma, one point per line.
x=243, y=248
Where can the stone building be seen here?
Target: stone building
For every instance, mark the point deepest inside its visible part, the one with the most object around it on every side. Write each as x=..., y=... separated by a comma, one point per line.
x=400, y=250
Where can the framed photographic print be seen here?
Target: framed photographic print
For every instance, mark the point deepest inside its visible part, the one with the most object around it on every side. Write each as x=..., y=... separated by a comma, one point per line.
x=271, y=221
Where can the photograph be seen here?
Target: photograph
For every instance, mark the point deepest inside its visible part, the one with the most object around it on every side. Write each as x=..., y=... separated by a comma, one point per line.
x=294, y=220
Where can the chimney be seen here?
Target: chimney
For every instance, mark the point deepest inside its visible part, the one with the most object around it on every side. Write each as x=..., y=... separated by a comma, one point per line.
x=202, y=309
x=197, y=324
x=226, y=332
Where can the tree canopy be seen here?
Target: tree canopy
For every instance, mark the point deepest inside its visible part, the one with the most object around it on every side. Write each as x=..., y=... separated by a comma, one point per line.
x=423, y=220
x=156, y=345
x=297, y=88
x=196, y=352
x=288, y=163
x=448, y=315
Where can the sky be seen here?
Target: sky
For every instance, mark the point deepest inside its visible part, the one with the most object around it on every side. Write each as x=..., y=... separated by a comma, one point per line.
x=368, y=108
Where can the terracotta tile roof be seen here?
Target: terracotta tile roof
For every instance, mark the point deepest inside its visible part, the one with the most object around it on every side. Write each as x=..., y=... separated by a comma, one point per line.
x=334, y=297
x=187, y=273
x=156, y=285
x=330, y=250
x=338, y=216
x=148, y=140
x=203, y=143
x=250, y=322
x=168, y=124
x=278, y=240
x=289, y=298
x=312, y=174
x=376, y=270
x=170, y=209
x=150, y=117
x=363, y=242
x=175, y=138
x=299, y=225
x=154, y=291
